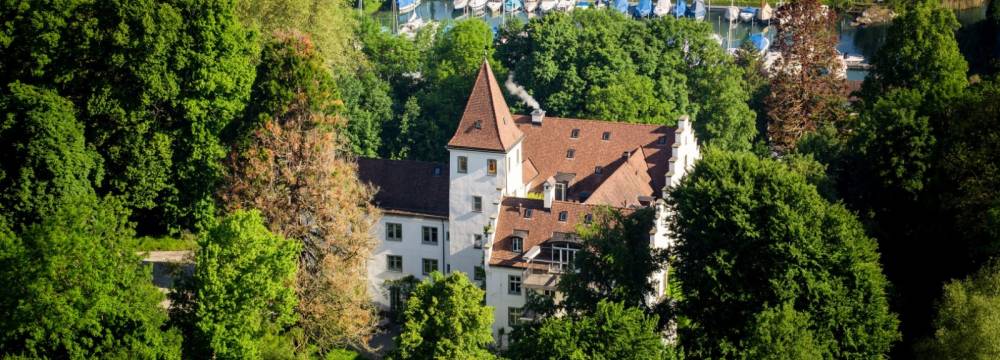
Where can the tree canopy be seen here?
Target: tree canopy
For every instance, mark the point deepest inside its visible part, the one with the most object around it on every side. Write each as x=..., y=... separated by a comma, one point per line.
x=601, y=65
x=966, y=325
x=752, y=234
x=46, y=159
x=445, y=319
x=74, y=288
x=242, y=289
x=612, y=331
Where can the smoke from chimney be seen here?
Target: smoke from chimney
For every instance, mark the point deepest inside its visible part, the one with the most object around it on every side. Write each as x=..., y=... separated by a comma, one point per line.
x=520, y=92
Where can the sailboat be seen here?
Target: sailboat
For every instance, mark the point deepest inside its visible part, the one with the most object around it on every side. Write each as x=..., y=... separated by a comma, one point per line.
x=697, y=11
x=680, y=9
x=732, y=13
x=662, y=8
x=460, y=4
x=477, y=5
x=765, y=13
x=565, y=5
x=494, y=5
x=530, y=5
x=645, y=8
x=407, y=5
x=547, y=5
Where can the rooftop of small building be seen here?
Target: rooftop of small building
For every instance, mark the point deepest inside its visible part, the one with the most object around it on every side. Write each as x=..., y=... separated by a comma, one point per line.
x=407, y=187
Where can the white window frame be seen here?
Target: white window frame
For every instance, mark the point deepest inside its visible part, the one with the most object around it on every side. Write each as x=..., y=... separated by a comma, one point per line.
x=424, y=230
x=389, y=227
x=423, y=266
x=514, y=282
x=516, y=244
x=463, y=165
x=477, y=203
x=514, y=315
x=561, y=191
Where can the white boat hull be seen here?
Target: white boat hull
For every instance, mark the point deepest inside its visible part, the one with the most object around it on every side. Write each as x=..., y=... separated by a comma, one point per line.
x=494, y=5
x=732, y=13
x=547, y=5
x=662, y=8
x=530, y=5
x=477, y=5
x=565, y=5
x=745, y=16
x=409, y=7
x=460, y=4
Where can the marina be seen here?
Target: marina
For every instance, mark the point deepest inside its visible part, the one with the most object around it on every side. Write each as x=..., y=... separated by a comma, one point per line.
x=732, y=25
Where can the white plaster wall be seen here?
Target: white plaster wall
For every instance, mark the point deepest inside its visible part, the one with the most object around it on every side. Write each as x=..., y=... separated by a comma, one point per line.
x=499, y=299
x=514, y=174
x=411, y=249
x=464, y=222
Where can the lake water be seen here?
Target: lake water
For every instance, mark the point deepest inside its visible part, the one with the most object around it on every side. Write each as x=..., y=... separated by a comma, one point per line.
x=864, y=41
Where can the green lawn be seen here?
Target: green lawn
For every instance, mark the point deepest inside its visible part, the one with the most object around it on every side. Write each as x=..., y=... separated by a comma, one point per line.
x=167, y=243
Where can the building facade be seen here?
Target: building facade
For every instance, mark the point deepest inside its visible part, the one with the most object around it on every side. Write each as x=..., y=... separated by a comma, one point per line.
x=503, y=210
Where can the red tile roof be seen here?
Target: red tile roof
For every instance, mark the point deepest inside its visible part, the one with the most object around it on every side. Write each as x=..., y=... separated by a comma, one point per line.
x=641, y=171
x=540, y=227
x=407, y=187
x=487, y=123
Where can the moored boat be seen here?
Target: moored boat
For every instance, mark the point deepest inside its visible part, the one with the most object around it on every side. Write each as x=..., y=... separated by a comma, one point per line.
x=697, y=10
x=680, y=9
x=766, y=12
x=530, y=5
x=477, y=5
x=547, y=5
x=747, y=13
x=494, y=5
x=662, y=8
x=731, y=13
x=565, y=5
x=460, y=4
x=407, y=5
x=644, y=8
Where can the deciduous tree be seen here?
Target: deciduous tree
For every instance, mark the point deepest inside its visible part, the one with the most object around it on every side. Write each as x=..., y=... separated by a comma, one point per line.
x=74, y=288
x=806, y=91
x=445, y=319
x=295, y=169
x=966, y=326
x=612, y=331
x=752, y=234
x=242, y=289
x=45, y=158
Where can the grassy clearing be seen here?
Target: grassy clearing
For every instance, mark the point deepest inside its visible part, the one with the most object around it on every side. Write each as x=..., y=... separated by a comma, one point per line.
x=185, y=241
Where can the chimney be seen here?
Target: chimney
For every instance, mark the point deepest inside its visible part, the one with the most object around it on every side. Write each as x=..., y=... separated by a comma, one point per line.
x=537, y=116
x=548, y=194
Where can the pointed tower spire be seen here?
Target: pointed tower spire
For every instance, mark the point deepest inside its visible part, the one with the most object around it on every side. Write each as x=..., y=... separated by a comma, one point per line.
x=487, y=123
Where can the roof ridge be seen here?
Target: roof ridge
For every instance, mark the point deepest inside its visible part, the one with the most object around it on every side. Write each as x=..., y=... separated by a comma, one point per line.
x=601, y=121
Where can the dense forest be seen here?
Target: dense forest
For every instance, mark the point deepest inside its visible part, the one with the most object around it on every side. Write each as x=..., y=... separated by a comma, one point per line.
x=819, y=224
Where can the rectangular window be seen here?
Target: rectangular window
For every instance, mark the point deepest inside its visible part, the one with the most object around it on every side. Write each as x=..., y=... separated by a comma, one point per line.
x=463, y=164
x=527, y=213
x=491, y=167
x=477, y=241
x=570, y=153
x=516, y=244
x=561, y=191
x=562, y=216
x=429, y=265
x=394, y=263
x=477, y=203
x=606, y=136
x=393, y=232
x=575, y=133
x=430, y=235
x=514, y=315
x=479, y=273
x=514, y=284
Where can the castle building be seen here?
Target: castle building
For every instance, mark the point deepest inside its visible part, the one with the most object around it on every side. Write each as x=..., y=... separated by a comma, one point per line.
x=504, y=209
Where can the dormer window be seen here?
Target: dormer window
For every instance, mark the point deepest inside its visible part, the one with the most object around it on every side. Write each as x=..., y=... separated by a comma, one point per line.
x=625, y=154
x=562, y=216
x=606, y=136
x=598, y=170
x=478, y=124
x=527, y=213
x=560, y=191
x=516, y=244
x=575, y=134
x=570, y=153
x=662, y=140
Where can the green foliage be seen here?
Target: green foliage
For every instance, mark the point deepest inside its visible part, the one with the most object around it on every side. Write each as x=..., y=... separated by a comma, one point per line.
x=920, y=53
x=897, y=143
x=615, y=263
x=330, y=23
x=600, y=64
x=446, y=319
x=241, y=289
x=74, y=288
x=752, y=233
x=966, y=326
x=613, y=331
x=367, y=106
x=45, y=159
x=154, y=82
x=781, y=333
x=186, y=241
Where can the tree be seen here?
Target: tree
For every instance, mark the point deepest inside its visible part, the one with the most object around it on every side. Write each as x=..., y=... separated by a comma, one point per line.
x=295, y=169
x=613, y=331
x=896, y=144
x=920, y=53
x=780, y=332
x=45, y=159
x=600, y=64
x=242, y=289
x=616, y=262
x=154, y=82
x=329, y=23
x=445, y=319
x=752, y=234
x=806, y=91
x=755, y=83
x=74, y=288
x=966, y=325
